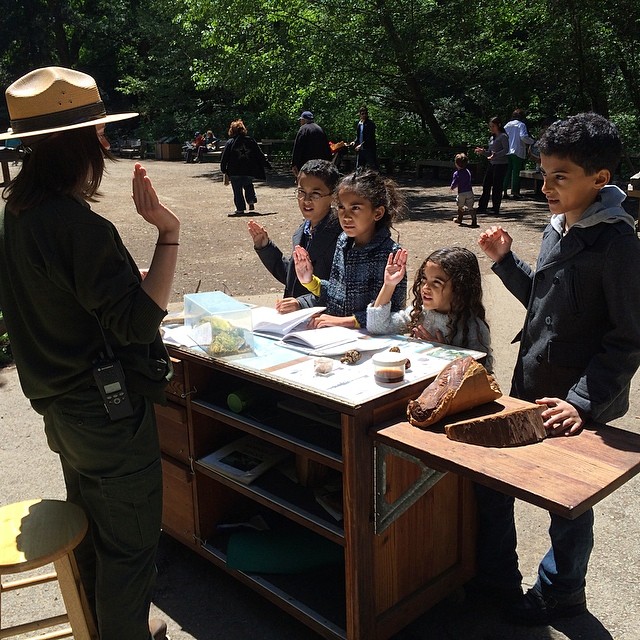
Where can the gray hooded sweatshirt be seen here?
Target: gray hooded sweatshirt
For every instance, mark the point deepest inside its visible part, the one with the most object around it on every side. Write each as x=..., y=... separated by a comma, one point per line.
x=581, y=336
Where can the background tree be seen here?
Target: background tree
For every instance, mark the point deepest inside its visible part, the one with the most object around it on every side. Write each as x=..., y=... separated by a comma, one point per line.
x=431, y=71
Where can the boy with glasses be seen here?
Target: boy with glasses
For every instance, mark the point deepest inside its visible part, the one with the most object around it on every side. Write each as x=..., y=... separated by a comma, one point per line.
x=318, y=234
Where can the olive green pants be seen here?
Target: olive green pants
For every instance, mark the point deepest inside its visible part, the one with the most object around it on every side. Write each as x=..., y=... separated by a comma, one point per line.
x=112, y=470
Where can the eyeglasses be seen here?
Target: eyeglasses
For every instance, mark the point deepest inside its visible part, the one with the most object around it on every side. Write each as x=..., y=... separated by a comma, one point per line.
x=314, y=196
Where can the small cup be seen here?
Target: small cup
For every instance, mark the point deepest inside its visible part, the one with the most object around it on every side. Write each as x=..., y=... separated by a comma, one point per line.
x=389, y=366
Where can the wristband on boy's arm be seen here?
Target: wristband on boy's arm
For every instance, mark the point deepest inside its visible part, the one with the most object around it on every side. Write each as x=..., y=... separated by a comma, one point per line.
x=314, y=286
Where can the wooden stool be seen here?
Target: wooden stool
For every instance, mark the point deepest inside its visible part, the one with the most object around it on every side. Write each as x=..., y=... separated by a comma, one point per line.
x=35, y=533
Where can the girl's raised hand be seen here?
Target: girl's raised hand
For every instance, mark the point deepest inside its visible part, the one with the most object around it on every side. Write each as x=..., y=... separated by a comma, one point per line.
x=302, y=262
x=495, y=242
x=396, y=268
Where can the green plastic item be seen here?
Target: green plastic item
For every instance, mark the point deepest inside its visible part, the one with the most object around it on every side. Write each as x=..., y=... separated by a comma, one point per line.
x=281, y=551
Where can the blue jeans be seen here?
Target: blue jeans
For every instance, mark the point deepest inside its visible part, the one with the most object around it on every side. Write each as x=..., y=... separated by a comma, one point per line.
x=243, y=187
x=563, y=569
x=366, y=160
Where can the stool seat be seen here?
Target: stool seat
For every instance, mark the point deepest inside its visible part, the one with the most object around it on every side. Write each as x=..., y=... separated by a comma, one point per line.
x=36, y=532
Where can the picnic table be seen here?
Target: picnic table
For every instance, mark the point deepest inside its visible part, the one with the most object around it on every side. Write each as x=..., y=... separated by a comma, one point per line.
x=532, y=174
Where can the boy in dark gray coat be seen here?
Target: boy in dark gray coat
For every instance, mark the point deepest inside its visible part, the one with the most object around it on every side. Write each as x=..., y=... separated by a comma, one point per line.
x=579, y=347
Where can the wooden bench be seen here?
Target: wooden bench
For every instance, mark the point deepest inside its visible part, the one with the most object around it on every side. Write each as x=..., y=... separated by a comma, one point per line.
x=211, y=156
x=7, y=154
x=130, y=148
x=536, y=176
x=436, y=165
x=432, y=163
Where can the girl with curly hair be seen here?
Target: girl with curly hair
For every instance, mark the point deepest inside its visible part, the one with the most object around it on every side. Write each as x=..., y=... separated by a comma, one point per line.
x=447, y=301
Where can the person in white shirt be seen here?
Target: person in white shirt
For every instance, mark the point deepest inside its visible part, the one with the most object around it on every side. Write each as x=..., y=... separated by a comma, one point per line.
x=519, y=138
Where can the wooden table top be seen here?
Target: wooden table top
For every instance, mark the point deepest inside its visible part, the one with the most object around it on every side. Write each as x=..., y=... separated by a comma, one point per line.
x=565, y=475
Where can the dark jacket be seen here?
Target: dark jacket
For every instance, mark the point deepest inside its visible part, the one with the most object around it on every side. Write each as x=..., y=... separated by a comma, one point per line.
x=368, y=136
x=59, y=263
x=242, y=156
x=321, y=249
x=581, y=336
x=311, y=143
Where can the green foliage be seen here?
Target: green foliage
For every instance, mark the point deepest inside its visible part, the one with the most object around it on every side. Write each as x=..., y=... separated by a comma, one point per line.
x=432, y=72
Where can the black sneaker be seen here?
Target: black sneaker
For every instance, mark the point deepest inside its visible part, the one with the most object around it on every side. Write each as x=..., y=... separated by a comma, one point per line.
x=534, y=608
x=500, y=595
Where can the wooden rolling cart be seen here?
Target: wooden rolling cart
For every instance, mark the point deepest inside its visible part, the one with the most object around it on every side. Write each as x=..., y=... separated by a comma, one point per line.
x=408, y=533
x=400, y=558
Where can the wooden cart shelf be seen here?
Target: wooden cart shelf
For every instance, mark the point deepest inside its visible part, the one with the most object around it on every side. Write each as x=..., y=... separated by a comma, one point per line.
x=565, y=475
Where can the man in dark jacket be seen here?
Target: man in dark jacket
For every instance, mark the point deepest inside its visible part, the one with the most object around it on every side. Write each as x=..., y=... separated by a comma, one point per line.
x=365, y=142
x=311, y=143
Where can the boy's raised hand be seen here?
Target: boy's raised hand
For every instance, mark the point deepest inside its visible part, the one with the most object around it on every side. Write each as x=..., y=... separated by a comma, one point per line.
x=396, y=268
x=258, y=233
x=304, y=267
x=495, y=242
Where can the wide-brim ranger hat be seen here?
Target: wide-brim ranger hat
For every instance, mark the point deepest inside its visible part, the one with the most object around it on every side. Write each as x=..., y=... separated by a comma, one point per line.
x=54, y=99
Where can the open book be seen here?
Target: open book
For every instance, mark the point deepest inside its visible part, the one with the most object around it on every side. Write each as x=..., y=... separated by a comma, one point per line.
x=323, y=338
x=268, y=322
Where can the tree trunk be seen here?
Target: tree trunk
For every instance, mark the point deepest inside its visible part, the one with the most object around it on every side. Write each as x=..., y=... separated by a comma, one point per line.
x=422, y=105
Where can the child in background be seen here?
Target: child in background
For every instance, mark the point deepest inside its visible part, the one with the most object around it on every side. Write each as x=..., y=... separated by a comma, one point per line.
x=579, y=348
x=462, y=182
x=447, y=301
x=368, y=204
x=318, y=234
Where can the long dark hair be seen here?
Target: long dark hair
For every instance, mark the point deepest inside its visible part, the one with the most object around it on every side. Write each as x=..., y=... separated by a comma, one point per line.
x=65, y=163
x=461, y=265
x=495, y=120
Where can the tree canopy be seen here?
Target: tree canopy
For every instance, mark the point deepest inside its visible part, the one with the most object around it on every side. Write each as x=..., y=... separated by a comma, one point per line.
x=432, y=72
